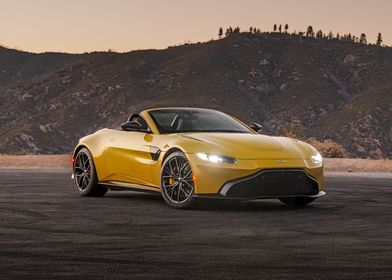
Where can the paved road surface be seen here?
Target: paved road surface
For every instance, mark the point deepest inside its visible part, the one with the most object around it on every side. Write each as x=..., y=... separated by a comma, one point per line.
x=48, y=231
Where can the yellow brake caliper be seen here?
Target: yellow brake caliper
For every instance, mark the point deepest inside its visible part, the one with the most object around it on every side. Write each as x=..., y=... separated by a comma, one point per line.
x=171, y=181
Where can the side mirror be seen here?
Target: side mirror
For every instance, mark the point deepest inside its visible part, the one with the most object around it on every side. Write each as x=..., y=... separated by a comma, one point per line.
x=133, y=126
x=256, y=127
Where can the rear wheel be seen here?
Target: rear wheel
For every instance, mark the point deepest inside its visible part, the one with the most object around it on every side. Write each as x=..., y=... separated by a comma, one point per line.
x=177, y=181
x=85, y=175
x=296, y=201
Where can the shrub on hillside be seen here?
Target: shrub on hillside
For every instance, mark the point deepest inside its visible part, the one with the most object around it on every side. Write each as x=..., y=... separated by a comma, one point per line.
x=292, y=131
x=328, y=148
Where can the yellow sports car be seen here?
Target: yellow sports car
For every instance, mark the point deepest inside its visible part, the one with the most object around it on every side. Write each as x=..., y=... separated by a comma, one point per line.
x=191, y=153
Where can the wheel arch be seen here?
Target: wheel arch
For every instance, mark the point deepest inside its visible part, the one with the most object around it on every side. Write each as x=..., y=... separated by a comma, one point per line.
x=77, y=149
x=170, y=151
x=80, y=147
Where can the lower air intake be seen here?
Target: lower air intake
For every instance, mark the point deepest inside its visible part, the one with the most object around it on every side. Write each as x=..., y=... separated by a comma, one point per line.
x=272, y=183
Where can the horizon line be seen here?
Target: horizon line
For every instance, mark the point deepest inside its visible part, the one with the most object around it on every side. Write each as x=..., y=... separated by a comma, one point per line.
x=189, y=42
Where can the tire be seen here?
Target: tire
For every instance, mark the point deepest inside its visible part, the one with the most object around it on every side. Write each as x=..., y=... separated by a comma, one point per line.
x=296, y=201
x=85, y=175
x=177, y=181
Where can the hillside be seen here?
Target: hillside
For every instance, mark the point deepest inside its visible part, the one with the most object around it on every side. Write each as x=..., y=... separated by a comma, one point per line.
x=317, y=87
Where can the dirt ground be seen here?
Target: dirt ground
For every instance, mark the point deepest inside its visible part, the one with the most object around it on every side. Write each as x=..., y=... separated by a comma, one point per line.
x=63, y=162
x=357, y=165
x=44, y=162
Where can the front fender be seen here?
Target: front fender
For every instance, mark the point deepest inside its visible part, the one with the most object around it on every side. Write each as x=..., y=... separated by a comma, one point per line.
x=96, y=144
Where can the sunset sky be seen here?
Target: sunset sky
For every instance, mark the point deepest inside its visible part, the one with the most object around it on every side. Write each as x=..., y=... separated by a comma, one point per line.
x=124, y=25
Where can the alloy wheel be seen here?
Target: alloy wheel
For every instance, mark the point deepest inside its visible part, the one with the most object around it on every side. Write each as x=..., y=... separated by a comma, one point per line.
x=177, y=180
x=82, y=171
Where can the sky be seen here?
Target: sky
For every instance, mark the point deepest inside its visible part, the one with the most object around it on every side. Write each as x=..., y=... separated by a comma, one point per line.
x=78, y=26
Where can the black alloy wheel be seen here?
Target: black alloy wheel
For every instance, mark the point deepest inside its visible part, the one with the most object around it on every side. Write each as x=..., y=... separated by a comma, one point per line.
x=177, y=181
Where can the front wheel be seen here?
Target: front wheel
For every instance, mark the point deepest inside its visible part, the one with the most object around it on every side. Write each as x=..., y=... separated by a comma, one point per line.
x=296, y=201
x=85, y=175
x=177, y=181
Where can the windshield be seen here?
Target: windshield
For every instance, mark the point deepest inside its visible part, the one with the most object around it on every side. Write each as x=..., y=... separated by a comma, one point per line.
x=195, y=120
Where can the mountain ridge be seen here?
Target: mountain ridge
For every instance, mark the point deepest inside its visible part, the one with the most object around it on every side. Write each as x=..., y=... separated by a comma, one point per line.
x=320, y=88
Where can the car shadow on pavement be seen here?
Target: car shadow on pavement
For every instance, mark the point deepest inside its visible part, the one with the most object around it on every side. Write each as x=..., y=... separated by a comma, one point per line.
x=262, y=205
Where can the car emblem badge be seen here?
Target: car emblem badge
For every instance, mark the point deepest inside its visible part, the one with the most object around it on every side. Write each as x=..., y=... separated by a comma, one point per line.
x=281, y=161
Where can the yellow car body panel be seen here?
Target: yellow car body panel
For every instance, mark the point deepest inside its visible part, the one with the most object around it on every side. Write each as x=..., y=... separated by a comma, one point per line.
x=128, y=156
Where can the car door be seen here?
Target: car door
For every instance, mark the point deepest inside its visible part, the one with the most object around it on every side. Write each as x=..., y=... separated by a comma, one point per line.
x=128, y=157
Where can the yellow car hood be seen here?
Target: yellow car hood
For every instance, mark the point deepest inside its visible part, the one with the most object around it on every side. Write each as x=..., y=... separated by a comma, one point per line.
x=251, y=146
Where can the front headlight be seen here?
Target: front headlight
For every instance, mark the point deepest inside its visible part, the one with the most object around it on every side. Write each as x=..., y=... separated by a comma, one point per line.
x=216, y=158
x=317, y=158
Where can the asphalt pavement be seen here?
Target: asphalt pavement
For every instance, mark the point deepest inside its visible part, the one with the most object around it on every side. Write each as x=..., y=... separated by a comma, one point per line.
x=48, y=231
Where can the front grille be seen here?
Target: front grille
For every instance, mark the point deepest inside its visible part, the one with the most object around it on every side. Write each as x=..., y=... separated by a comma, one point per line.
x=272, y=183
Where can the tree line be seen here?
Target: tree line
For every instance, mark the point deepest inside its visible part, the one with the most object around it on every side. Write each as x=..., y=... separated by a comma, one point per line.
x=310, y=33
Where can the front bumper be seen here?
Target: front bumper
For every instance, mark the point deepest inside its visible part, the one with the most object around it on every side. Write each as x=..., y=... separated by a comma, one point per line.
x=217, y=179
x=272, y=183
